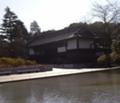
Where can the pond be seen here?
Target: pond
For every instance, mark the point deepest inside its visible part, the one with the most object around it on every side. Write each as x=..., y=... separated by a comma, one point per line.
x=97, y=87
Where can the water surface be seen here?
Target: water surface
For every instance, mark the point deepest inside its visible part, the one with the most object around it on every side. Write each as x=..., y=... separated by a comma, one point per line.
x=99, y=87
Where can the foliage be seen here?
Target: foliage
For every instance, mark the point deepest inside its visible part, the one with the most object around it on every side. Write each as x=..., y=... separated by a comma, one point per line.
x=15, y=35
x=115, y=58
x=30, y=62
x=9, y=22
x=116, y=46
x=20, y=40
x=14, y=62
x=109, y=14
x=34, y=28
x=115, y=55
x=104, y=59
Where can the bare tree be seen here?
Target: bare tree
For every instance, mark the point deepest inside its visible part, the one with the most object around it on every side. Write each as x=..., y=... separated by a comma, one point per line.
x=109, y=14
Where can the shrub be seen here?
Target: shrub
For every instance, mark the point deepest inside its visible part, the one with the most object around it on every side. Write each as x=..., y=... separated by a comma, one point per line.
x=6, y=62
x=116, y=46
x=104, y=59
x=29, y=62
x=115, y=57
x=14, y=62
x=19, y=62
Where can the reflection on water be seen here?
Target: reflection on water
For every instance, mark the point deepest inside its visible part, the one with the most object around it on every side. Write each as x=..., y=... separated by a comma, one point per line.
x=97, y=87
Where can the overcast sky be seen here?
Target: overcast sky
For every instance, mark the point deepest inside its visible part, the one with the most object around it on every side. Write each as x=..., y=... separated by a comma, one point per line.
x=50, y=14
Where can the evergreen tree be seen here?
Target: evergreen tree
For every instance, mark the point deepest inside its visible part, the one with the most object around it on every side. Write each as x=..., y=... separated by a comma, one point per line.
x=9, y=23
x=34, y=28
x=3, y=46
x=20, y=40
x=15, y=34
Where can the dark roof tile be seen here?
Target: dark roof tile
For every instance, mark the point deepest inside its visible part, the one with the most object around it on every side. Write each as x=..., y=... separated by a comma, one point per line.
x=67, y=33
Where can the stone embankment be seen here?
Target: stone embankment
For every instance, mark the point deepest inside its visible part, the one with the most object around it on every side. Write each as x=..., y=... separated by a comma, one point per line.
x=54, y=73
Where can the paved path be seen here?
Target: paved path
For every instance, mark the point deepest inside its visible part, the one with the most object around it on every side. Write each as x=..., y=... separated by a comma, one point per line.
x=55, y=72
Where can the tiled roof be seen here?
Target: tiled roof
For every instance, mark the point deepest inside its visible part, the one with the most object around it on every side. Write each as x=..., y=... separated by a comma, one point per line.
x=53, y=36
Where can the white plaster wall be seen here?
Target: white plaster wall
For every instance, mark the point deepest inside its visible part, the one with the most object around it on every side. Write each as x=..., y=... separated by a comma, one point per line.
x=85, y=43
x=61, y=49
x=31, y=52
x=72, y=44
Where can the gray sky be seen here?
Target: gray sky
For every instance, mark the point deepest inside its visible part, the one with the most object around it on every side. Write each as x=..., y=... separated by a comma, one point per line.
x=50, y=14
